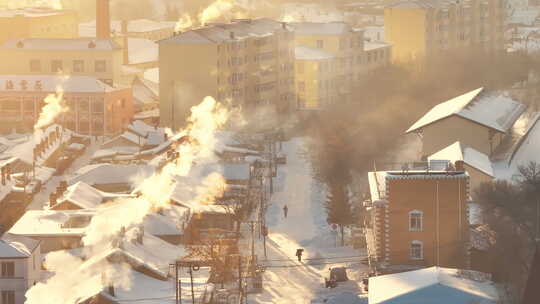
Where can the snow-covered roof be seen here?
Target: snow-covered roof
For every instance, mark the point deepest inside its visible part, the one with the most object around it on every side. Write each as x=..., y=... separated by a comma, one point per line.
x=57, y=44
x=493, y=110
x=33, y=12
x=145, y=92
x=307, y=53
x=50, y=83
x=15, y=246
x=421, y=4
x=133, y=26
x=524, y=17
x=375, y=45
x=470, y=156
x=229, y=171
x=374, y=33
x=432, y=285
x=147, y=114
x=82, y=195
x=142, y=51
x=527, y=150
x=101, y=174
x=220, y=33
x=377, y=180
x=320, y=28
x=167, y=222
x=153, y=254
x=152, y=75
x=52, y=223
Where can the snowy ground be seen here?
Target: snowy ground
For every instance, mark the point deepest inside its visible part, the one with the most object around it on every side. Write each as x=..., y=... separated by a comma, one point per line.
x=286, y=280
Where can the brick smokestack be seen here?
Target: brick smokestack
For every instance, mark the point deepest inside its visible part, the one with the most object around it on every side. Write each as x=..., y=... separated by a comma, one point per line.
x=103, y=20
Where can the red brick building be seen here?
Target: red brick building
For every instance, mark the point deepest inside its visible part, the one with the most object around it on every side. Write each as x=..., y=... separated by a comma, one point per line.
x=94, y=108
x=418, y=219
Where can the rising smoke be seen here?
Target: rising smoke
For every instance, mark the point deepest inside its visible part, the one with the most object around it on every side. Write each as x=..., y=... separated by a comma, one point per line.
x=54, y=106
x=75, y=279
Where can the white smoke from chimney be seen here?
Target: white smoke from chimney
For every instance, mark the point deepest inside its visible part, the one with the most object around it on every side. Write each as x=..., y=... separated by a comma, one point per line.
x=75, y=279
x=54, y=106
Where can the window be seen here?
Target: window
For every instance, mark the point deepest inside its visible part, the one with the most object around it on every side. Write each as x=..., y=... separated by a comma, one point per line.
x=56, y=66
x=320, y=44
x=8, y=297
x=417, y=250
x=101, y=66
x=415, y=220
x=300, y=67
x=8, y=269
x=35, y=65
x=342, y=43
x=78, y=66
x=301, y=86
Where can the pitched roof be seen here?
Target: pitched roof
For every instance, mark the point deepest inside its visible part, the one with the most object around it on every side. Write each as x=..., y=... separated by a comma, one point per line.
x=470, y=156
x=57, y=44
x=221, y=32
x=50, y=83
x=492, y=110
x=82, y=195
x=320, y=28
x=33, y=12
x=432, y=285
x=421, y=4
x=110, y=174
x=307, y=53
x=14, y=246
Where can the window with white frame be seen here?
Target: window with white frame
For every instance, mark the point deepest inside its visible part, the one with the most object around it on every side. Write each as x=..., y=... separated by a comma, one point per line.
x=415, y=220
x=417, y=250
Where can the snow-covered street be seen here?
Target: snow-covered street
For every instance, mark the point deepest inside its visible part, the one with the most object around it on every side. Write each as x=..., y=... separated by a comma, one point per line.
x=286, y=280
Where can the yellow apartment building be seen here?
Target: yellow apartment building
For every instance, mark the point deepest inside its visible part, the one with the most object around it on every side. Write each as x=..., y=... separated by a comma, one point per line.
x=37, y=23
x=422, y=28
x=101, y=59
x=247, y=62
x=354, y=56
x=317, y=78
x=340, y=40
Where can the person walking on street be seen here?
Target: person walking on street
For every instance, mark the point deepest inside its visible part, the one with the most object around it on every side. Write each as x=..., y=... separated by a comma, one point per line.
x=285, y=211
x=299, y=252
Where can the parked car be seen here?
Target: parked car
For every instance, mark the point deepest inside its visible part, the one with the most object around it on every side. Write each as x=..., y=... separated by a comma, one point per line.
x=337, y=274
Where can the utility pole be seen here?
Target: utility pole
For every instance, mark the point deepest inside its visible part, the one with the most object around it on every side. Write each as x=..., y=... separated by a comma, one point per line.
x=240, y=278
x=191, y=278
x=176, y=282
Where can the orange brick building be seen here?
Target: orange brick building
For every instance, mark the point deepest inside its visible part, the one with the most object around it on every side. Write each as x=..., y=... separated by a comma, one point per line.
x=418, y=219
x=94, y=108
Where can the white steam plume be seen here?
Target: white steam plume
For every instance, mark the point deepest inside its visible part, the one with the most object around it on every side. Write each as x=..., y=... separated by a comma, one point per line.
x=75, y=279
x=54, y=106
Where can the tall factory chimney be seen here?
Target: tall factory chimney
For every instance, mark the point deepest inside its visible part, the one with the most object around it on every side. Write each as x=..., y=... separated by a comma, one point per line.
x=103, y=20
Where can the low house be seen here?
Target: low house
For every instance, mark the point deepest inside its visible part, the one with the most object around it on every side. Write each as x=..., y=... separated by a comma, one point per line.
x=433, y=285
x=111, y=177
x=20, y=261
x=417, y=219
x=201, y=218
x=138, y=135
x=56, y=230
x=476, y=163
x=145, y=95
x=478, y=119
x=81, y=196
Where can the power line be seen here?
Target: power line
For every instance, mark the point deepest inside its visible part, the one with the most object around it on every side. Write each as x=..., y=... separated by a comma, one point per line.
x=323, y=258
